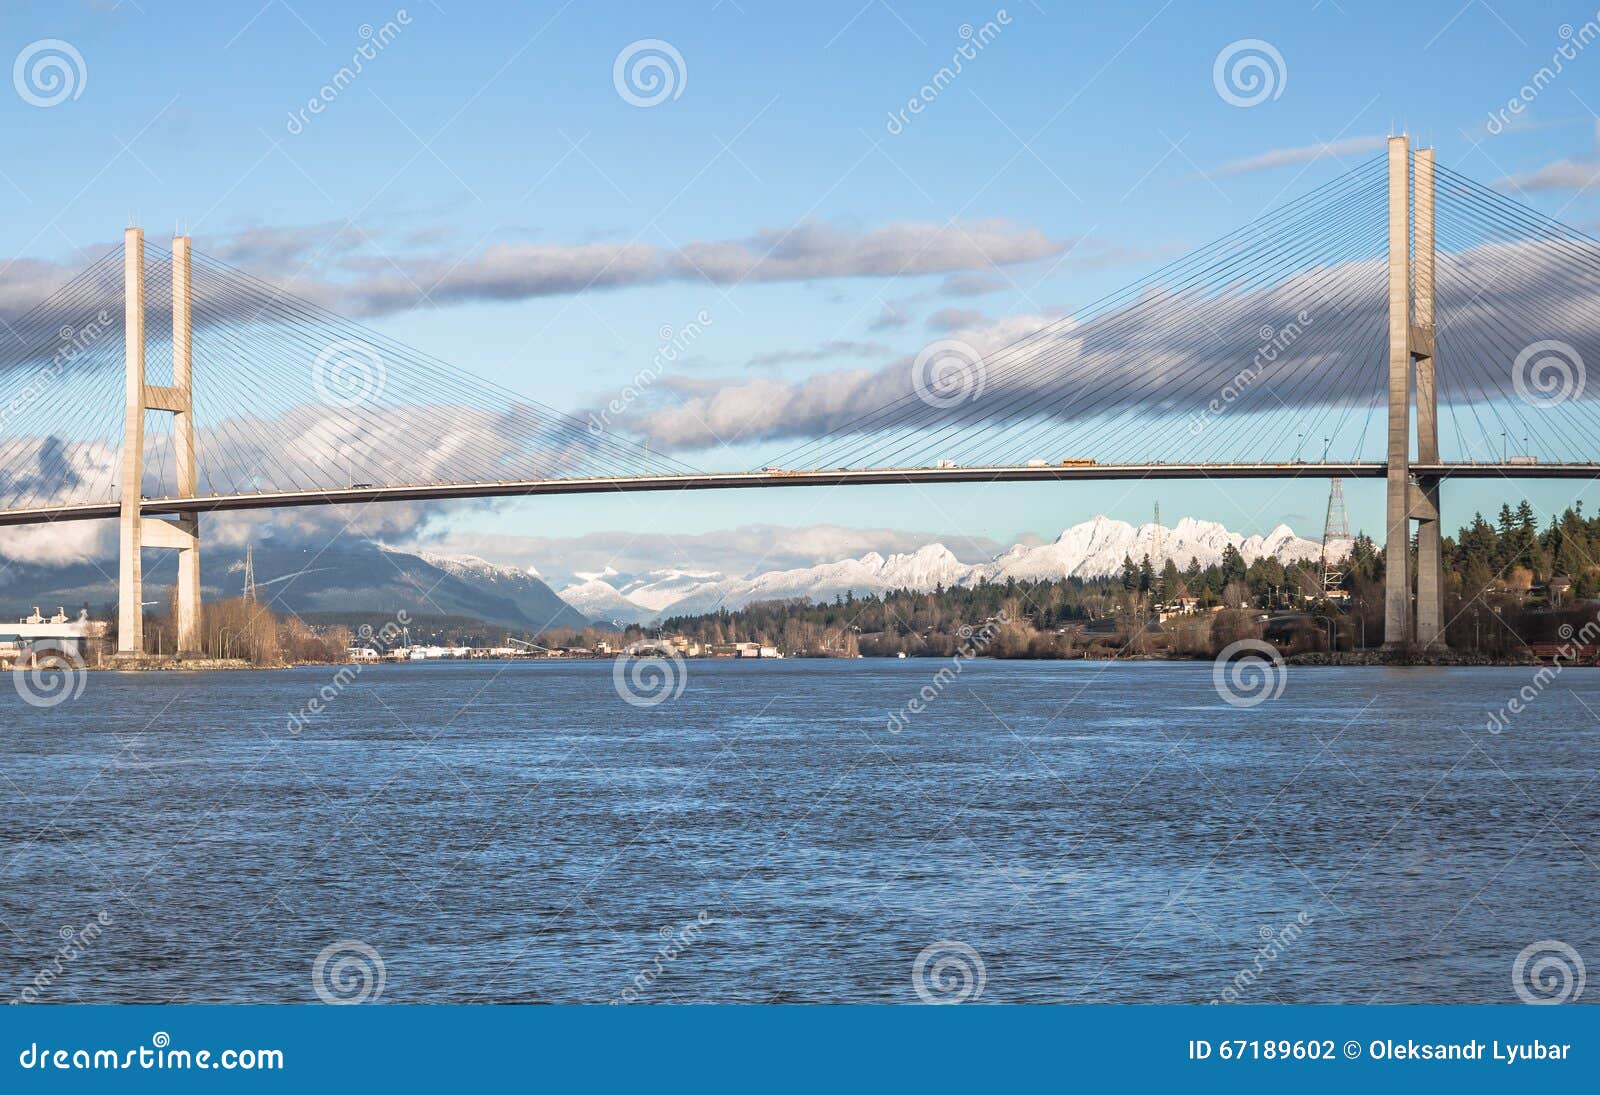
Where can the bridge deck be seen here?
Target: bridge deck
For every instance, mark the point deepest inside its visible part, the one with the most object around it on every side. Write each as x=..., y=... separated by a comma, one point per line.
x=818, y=478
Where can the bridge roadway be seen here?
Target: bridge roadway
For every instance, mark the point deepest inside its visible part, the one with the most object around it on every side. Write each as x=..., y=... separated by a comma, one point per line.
x=819, y=478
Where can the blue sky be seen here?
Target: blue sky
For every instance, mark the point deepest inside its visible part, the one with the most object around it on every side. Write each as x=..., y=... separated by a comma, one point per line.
x=480, y=126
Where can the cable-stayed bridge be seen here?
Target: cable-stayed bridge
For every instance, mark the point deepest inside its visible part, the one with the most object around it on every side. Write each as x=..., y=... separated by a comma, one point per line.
x=1400, y=322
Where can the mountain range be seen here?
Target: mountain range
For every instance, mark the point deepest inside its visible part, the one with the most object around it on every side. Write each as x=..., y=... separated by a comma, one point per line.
x=1093, y=549
x=363, y=578
x=349, y=576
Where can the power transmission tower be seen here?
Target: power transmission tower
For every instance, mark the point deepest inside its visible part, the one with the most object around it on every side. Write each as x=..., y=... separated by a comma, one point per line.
x=1337, y=527
x=250, y=573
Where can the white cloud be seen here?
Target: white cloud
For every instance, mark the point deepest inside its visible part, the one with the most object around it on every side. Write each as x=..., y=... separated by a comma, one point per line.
x=735, y=552
x=1283, y=157
x=1561, y=175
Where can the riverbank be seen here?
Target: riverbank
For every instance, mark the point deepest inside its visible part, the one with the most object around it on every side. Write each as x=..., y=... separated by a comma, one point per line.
x=1408, y=658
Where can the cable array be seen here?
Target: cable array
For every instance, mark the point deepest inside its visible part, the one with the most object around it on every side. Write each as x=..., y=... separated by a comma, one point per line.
x=1518, y=319
x=1195, y=363
x=1267, y=345
x=61, y=393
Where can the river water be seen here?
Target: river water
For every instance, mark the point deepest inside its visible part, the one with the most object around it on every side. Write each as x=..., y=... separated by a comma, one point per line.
x=1038, y=832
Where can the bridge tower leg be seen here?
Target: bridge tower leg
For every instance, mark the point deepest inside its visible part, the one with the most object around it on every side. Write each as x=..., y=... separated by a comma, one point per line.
x=1425, y=507
x=1397, y=540
x=130, y=577
x=138, y=531
x=1411, y=354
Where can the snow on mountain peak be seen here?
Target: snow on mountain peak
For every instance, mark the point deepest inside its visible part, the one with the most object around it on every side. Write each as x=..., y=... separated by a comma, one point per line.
x=1091, y=549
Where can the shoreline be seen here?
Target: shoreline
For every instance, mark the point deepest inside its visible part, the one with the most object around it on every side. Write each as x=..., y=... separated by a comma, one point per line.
x=1344, y=659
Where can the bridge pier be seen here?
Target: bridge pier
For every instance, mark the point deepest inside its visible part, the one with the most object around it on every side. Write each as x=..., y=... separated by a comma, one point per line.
x=1411, y=357
x=138, y=531
x=130, y=577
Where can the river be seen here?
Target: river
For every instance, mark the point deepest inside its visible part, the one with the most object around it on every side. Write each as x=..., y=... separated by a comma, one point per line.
x=797, y=831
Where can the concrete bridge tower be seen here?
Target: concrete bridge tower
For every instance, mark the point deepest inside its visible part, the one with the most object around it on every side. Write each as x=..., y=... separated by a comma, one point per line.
x=138, y=531
x=1412, y=371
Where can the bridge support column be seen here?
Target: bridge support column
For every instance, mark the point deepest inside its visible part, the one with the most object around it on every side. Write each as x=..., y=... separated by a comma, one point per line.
x=138, y=531
x=1430, y=562
x=130, y=578
x=187, y=526
x=1397, y=539
x=1411, y=355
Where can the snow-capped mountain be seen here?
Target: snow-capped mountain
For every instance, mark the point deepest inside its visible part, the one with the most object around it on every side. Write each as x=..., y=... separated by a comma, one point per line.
x=1096, y=549
x=924, y=568
x=1093, y=549
x=659, y=588
x=600, y=600
x=468, y=566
